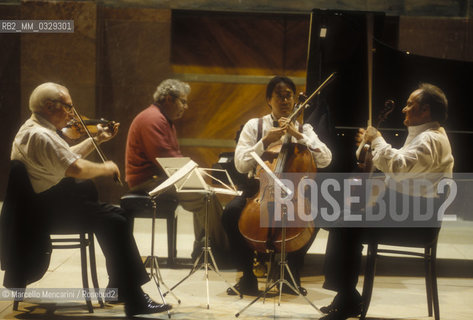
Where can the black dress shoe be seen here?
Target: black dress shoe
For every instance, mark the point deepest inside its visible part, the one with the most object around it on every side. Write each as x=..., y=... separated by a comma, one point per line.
x=331, y=307
x=145, y=305
x=353, y=302
x=334, y=316
x=342, y=314
x=341, y=309
x=248, y=286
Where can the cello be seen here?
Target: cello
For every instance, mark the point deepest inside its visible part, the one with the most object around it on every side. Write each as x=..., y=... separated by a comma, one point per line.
x=288, y=157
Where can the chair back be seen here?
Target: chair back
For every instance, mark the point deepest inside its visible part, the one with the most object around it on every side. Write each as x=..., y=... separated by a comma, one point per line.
x=25, y=248
x=403, y=237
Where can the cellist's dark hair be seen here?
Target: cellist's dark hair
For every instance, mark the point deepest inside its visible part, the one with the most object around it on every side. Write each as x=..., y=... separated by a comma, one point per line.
x=274, y=81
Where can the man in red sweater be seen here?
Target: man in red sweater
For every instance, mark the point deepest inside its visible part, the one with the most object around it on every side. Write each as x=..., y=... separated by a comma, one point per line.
x=152, y=134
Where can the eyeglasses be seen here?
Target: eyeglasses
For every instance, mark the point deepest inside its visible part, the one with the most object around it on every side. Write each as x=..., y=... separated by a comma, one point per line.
x=282, y=97
x=67, y=106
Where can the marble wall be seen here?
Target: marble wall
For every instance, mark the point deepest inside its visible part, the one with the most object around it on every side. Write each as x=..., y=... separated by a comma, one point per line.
x=111, y=64
x=433, y=8
x=10, y=93
x=134, y=56
x=241, y=52
x=121, y=50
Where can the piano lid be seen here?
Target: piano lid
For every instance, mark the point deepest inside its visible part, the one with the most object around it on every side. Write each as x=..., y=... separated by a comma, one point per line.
x=397, y=74
x=338, y=43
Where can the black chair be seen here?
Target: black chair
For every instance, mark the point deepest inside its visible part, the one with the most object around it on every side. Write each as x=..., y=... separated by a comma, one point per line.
x=141, y=206
x=79, y=241
x=425, y=238
x=26, y=248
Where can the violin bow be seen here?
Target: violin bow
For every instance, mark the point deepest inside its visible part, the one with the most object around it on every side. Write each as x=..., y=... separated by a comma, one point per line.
x=102, y=156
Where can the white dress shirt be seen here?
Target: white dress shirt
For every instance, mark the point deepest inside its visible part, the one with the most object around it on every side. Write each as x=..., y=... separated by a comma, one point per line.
x=247, y=143
x=426, y=154
x=45, y=154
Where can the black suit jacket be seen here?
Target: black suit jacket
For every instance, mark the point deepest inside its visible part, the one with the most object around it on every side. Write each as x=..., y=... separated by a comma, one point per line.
x=25, y=246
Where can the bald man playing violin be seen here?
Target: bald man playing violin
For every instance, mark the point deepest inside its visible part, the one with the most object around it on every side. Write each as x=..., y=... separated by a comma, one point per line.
x=64, y=202
x=425, y=156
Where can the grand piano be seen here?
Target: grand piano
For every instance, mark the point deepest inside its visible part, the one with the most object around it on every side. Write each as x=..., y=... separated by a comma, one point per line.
x=340, y=42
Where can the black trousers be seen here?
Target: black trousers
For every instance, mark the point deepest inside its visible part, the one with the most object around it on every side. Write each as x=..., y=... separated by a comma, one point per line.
x=242, y=253
x=344, y=247
x=72, y=206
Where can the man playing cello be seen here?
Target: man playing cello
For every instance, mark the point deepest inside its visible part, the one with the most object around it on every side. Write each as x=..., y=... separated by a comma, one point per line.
x=258, y=135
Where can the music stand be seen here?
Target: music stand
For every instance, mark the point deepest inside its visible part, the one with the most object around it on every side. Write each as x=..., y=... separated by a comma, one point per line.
x=178, y=180
x=283, y=265
x=155, y=273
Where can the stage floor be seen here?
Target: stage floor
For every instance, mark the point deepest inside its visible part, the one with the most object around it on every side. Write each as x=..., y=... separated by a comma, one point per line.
x=399, y=291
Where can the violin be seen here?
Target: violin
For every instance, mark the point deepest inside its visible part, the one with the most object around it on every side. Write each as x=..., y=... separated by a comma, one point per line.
x=74, y=129
x=288, y=157
x=365, y=157
x=79, y=123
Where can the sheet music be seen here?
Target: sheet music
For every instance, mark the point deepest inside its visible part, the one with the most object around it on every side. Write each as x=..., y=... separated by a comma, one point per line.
x=176, y=177
x=189, y=179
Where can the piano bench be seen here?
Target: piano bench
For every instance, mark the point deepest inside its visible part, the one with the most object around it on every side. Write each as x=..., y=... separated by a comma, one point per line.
x=141, y=206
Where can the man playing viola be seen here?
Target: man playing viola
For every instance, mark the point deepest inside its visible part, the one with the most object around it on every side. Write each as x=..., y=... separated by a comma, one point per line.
x=425, y=156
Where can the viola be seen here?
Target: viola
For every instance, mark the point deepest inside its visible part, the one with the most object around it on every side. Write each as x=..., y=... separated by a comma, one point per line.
x=365, y=157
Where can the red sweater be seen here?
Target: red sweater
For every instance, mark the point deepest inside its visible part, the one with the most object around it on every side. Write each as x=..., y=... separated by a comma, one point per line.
x=151, y=135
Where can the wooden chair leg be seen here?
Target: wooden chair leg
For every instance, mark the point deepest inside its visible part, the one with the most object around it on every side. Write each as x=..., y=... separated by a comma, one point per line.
x=17, y=300
x=428, y=278
x=171, y=226
x=369, y=279
x=174, y=238
x=85, y=279
x=15, y=305
x=435, y=294
x=93, y=268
